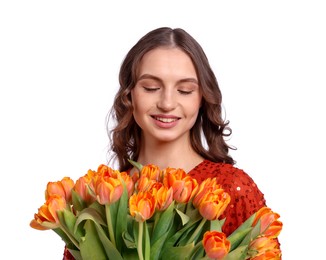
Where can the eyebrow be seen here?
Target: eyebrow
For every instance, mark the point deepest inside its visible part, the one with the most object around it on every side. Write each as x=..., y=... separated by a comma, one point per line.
x=149, y=76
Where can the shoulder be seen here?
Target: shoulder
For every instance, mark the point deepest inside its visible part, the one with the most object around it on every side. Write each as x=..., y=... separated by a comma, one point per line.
x=233, y=180
x=246, y=198
x=225, y=173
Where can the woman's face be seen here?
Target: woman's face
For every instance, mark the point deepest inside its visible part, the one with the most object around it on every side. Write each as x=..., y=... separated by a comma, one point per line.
x=167, y=97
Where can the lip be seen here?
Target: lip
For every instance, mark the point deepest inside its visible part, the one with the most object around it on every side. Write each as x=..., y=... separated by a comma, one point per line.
x=165, y=121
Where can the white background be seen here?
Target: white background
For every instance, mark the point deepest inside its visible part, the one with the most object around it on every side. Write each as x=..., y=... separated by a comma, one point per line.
x=58, y=74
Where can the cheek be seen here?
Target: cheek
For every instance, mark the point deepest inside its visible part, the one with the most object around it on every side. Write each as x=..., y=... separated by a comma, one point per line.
x=135, y=102
x=139, y=107
x=193, y=107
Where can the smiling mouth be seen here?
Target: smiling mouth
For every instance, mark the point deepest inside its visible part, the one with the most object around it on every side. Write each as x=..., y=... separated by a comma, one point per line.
x=165, y=119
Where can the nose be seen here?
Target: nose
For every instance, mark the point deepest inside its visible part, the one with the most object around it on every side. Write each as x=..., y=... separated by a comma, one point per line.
x=167, y=100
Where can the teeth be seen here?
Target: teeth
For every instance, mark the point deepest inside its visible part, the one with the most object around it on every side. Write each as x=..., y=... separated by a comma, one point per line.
x=165, y=120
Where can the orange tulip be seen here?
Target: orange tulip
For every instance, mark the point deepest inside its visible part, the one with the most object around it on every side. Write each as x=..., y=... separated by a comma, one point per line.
x=264, y=248
x=184, y=187
x=62, y=188
x=84, y=185
x=270, y=255
x=130, y=185
x=269, y=223
x=163, y=195
x=47, y=217
x=149, y=174
x=142, y=206
x=104, y=170
x=207, y=186
x=213, y=204
x=216, y=244
x=108, y=190
x=152, y=172
x=172, y=174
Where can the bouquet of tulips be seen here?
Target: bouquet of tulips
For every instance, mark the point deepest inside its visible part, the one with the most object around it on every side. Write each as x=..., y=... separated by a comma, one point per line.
x=152, y=214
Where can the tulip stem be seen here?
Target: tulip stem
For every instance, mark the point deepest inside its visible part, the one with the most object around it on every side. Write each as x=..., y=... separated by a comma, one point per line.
x=140, y=240
x=109, y=222
x=198, y=229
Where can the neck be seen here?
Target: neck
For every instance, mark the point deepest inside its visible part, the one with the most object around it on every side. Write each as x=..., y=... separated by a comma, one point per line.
x=169, y=154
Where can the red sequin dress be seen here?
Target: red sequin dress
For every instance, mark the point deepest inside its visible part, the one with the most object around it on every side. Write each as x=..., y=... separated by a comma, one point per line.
x=246, y=198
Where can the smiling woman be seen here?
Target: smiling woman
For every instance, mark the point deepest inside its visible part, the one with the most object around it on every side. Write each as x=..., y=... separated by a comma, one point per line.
x=168, y=113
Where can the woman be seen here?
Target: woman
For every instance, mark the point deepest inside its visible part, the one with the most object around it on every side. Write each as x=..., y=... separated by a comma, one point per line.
x=168, y=113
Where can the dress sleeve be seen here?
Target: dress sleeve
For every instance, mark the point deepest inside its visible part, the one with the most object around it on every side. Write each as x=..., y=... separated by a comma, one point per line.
x=246, y=198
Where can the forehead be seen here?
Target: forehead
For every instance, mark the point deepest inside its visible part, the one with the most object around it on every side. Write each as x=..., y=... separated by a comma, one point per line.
x=167, y=61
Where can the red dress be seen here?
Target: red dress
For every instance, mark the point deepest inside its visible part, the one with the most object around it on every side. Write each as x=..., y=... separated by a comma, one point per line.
x=246, y=198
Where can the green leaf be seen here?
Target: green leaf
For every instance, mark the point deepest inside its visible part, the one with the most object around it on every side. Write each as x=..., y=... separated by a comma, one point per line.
x=241, y=233
x=184, y=218
x=114, y=212
x=121, y=214
x=247, y=223
x=181, y=233
x=77, y=201
x=111, y=251
x=179, y=252
x=195, y=234
x=90, y=245
x=198, y=251
x=96, y=238
x=130, y=255
x=67, y=221
x=216, y=225
x=256, y=230
x=135, y=230
x=89, y=214
x=70, y=221
x=63, y=236
x=61, y=217
x=238, y=237
x=99, y=208
x=129, y=240
x=138, y=165
x=238, y=254
x=163, y=223
x=156, y=248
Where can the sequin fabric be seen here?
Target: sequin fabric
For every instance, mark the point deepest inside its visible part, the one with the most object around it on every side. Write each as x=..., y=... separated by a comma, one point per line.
x=246, y=198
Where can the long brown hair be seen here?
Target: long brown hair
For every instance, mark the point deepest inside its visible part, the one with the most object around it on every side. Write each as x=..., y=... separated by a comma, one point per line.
x=209, y=129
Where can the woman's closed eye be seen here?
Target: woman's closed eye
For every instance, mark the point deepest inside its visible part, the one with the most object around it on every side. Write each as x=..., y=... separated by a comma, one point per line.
x=150, y=89
x=185, y=92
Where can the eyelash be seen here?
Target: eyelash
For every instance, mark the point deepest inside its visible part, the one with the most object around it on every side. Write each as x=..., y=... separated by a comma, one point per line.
x=150, y=89
x=182, y=92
